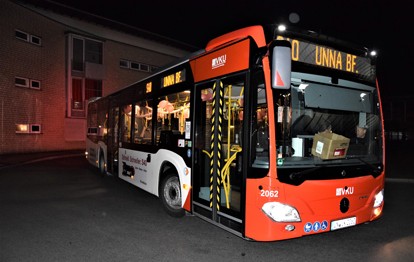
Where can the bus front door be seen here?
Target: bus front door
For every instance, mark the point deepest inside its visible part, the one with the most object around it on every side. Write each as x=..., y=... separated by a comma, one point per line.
x=218, y=176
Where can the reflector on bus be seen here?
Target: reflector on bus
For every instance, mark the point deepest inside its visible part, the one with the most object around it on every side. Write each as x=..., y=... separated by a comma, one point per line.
x=281, y=64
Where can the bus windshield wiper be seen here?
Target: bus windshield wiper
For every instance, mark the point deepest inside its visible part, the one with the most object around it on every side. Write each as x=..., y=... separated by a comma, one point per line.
x=300, y=174
x=376, y=170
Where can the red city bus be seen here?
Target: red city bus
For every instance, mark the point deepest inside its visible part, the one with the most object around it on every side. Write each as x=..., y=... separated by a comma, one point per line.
x=268, y=140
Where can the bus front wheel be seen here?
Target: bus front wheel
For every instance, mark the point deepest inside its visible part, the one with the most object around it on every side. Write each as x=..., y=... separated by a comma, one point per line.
x=170, y=195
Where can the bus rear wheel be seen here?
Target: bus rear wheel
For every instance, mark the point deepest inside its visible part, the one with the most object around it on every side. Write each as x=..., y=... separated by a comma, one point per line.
x=170, y=195
x=101, y=164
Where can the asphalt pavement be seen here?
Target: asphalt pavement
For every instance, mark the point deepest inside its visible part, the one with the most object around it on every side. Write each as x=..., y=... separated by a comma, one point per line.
x=60, y=210
x=7, y=160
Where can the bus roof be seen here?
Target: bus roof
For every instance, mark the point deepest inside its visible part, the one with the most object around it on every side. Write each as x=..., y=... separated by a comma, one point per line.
x=256, y=32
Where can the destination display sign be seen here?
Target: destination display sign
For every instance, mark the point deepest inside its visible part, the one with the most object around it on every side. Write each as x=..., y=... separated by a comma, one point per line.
x=148, y=87
x=173, y=79
x=324, y=56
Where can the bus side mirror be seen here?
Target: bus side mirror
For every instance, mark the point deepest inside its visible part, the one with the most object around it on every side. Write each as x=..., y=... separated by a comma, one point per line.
x=281, y=64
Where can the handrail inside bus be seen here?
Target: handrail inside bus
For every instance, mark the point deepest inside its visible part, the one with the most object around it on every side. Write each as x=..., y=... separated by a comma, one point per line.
x=225, y=177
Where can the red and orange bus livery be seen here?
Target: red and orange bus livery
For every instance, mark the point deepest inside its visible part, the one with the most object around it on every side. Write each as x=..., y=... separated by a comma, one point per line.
x=268, y=140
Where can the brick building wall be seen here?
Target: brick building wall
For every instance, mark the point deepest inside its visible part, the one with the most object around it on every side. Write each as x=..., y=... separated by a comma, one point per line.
x=48, y=63
x=121, y=77
x=44, y=63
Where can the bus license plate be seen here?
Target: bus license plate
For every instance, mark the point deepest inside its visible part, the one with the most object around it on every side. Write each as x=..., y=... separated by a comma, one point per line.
x=347, y=222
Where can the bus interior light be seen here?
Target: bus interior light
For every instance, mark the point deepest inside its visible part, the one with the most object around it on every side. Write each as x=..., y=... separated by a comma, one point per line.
x=281, y=212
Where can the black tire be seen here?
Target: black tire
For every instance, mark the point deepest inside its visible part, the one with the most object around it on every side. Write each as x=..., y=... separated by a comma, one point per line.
x=102, y=171
x=170, y=195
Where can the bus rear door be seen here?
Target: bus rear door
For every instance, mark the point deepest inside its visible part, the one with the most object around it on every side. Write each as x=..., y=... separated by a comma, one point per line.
x=113, y=141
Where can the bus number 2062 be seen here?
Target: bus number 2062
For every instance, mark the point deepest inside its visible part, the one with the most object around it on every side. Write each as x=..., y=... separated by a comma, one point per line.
x=269, y=193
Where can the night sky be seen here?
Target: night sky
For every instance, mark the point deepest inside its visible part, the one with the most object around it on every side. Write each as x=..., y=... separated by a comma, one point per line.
x=381, y=25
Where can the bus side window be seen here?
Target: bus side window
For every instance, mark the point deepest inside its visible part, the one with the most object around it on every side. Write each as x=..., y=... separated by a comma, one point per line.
x=261, y=133
x=92, y=121
x=102, y=120
x=113, y=128
x=126, y=123
x=172, y=112
x=262, y=145
x=142, y=122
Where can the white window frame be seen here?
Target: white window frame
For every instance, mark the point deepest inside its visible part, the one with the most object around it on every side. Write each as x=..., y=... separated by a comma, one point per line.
x=144, y=65
x=28, y=129
x=22, y=128
x=133, y=65
x=35, y=81
x=26, y=80
x=36, y=40
x=138, y=65
x=36, y=37
x=124, y=61
x=39, y=131
x=29, y=83
x=23, y=39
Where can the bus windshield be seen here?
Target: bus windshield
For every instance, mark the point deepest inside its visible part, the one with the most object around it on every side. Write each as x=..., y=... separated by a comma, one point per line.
x=328, y=124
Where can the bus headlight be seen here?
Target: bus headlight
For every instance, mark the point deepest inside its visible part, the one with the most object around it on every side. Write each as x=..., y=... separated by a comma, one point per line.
x=379, y=198
x=281, y=212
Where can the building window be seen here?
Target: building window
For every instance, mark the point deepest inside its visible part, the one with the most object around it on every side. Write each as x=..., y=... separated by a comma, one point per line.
x=35, y=129
x=134, y=65
x=34, y=84
x=86, y=61
x=35, y=40
x=93, y=51
x=93, y=88
x=20, y=81
x=85, y=50
x=25, y=82
x=22, y=128
x=137, y=66
x=83, y=90
x=124, y=63
x=28, y=37
x=77, y=59
x=144, y=68
x=28, y=128
x=77, y=94
x=22, y=35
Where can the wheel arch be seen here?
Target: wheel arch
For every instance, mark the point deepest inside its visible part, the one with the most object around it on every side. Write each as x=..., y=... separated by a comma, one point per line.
x=172, y=162
x=166, y=168
x=102, y=152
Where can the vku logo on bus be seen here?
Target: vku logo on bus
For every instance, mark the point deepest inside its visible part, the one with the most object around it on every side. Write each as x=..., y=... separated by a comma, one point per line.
x=218, y=61
x=345, y=191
